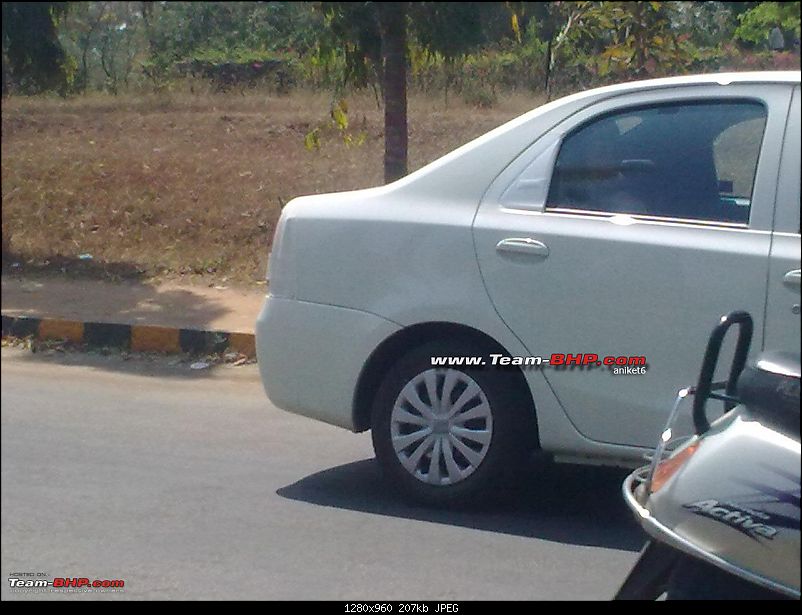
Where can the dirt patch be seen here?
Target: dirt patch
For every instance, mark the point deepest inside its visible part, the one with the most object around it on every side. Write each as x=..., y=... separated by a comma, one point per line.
x=166, y=304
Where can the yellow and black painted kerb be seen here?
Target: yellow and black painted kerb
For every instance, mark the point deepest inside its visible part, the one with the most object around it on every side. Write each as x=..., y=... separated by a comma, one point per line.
x=139, y=338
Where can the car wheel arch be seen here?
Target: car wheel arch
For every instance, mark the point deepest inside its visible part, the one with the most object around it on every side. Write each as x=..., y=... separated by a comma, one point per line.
x=401, y=342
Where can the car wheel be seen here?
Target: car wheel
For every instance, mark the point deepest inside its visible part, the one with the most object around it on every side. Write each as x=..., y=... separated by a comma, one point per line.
x=446, y=435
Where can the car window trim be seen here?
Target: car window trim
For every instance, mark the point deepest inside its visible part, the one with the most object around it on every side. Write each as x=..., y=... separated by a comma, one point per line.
x=646, y=217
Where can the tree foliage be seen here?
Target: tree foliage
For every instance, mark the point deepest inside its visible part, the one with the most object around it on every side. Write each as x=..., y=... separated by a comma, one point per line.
x=637, y=37
x=449, y=29
x=224, y=32
x=35, y=56
x=473, y=49
x=756, y=23
x=373, y=38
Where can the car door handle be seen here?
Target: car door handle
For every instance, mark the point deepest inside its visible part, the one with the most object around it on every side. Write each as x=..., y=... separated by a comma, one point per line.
x=792, y=278
x=523, y=245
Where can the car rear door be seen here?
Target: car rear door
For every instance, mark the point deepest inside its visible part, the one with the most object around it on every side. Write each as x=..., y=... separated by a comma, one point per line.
x=579, y=254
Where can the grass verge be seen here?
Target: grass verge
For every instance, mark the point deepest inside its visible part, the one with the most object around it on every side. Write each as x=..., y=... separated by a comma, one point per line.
x=189, y=186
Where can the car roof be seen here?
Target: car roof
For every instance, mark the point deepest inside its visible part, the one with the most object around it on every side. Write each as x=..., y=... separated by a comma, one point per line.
x=768, y=76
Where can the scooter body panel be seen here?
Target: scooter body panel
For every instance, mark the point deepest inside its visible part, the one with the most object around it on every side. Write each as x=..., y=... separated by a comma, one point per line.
x=735, y=501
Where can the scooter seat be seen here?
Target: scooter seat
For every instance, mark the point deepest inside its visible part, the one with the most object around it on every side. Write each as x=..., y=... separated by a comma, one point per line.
x=769, y=388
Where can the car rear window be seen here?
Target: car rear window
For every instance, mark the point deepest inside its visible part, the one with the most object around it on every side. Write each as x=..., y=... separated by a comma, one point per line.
x=691, y=160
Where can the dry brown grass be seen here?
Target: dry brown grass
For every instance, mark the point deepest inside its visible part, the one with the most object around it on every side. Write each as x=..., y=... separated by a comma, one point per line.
x=190, y=185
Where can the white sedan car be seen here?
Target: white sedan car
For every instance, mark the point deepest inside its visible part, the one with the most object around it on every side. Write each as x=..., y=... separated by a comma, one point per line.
x=548, y=286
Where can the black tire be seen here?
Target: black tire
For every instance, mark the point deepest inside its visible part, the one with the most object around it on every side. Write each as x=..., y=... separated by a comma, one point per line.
x=513, y=434
x=693, y=579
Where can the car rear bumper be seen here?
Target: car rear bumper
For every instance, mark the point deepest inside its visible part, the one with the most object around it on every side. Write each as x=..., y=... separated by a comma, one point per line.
x=311, y=355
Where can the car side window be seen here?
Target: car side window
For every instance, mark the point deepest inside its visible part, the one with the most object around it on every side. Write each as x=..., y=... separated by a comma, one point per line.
x=694, y=160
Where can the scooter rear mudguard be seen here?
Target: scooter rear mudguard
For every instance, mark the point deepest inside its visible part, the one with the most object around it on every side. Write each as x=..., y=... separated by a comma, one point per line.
x=733, y=503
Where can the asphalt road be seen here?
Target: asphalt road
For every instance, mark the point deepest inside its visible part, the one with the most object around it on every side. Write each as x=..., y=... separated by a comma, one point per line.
x=189, y=485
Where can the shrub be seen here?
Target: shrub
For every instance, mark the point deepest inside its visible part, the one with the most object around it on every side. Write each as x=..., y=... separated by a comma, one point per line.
x=479, y=95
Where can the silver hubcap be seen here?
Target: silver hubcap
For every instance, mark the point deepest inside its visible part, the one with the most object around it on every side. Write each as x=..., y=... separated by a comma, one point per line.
x=441, y=426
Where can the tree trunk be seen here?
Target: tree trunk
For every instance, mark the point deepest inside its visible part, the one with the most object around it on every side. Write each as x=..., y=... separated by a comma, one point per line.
x=84, y=68
x=393, y=20
x=548, y=67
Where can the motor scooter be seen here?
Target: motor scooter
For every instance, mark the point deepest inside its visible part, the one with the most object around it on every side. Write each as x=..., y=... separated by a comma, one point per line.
x=722, y=506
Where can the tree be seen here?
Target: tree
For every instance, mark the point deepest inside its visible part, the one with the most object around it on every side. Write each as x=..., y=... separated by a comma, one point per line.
x=451, y=29
x=118, y=43
x=374, y=37
x=35, y=56
x=757, y=22
x=545, y=16
x=180, y=33
x=393, y=19
x=631, y=39
x=556, y=23
x=708, y=23
x=79, y=34
x=640, y=37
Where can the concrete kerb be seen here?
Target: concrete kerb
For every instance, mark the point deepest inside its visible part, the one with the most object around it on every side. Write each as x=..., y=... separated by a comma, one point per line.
x=138, y=338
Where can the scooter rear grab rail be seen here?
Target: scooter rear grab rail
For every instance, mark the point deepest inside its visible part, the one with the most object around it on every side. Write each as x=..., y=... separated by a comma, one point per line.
x=704, y=387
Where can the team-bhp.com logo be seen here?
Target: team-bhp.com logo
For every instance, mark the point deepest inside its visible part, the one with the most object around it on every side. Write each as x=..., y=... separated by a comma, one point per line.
x=620, y=364
x=65, y=583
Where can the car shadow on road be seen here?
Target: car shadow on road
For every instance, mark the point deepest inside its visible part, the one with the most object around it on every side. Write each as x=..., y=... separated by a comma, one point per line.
x=570, y=504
